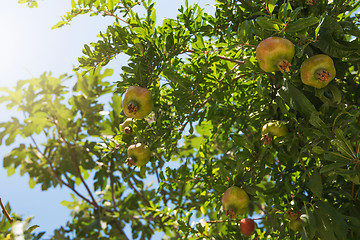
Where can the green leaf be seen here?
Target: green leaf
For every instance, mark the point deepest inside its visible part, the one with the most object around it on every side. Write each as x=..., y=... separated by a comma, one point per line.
x=310, y=222
x=351, y=175
x=331, y=167
x=73, y=4
x=318, y=150
x=296, y=12
x=246, y=30
x=301, y=24
x=344, y=144
x=297, y=100
x=324, y=226
x=32, y=228
x=59, y=24
x=337, y=157
x=10, y=171
x=316, y=121
x=32, y=182
x=342, y=147
x=330, y=40
x=336, y=93
x=271, y=5
x=110, y=5
x=268, y=24
x=335, y=221
x=315, y=184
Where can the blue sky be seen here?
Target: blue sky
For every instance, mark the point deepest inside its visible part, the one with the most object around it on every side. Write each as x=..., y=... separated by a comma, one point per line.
x=28, y=48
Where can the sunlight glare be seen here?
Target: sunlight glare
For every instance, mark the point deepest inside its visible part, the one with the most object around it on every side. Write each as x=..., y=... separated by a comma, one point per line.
x=9, y=46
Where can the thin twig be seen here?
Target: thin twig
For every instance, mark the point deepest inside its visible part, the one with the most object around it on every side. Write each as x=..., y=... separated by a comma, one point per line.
x=5, y=212
x=231, y=60
x=113, y=15
x=112, y=185
x=56, y=175
x=71, y=147
x=219, y=56
x=303, y=165
x=76, y=163
x=260, y=207
x=136, y=190
x=230, y=220
x=113, y=198
x=139, y=193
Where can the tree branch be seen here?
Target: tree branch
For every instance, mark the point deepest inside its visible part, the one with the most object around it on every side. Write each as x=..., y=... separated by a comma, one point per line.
x=113, y=198
x=146, y=202
x=76, y=163
x=118, y=18
x=230, y=220
x=219, y=56
x=112, y=185
x=5, y=212
x=56, y=175
x=71, y=147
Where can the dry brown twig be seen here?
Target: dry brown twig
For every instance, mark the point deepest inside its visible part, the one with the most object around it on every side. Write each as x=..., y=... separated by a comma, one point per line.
x=5, y=212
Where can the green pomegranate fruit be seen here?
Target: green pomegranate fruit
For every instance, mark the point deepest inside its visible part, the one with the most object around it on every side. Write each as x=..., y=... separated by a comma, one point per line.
x=295, y=221
x=235, y=201
x=271, y=129
x=274, y=128
x=126, y=126
x=317, y=71
x=275, y=54
x=137, y=102
x=247, y=226
x=138, y=155
x=295, y=224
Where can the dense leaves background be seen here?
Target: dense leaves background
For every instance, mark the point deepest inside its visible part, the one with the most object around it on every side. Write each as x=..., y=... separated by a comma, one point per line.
x=211, y=100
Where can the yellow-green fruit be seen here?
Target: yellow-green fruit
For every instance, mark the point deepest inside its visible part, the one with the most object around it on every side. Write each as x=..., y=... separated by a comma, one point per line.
x=317, y=71
x=137, y=102
x=274, y=128
x=126, y=126
x=295, y=224
x=235, y=201
x=138, y=155
x=275, y=54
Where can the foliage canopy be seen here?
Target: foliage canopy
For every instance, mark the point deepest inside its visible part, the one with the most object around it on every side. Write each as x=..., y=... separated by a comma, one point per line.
x=211, y=100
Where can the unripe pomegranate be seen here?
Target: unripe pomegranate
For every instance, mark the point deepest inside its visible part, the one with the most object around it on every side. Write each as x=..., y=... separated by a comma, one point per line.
x=235, y=201
x=295, y=221
x=317, y=71
x=275, y=54
x=247, y=226
x=295, y=224
x=271, y=129
x=138, y=155
x=137, y=102
x=126, y=126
